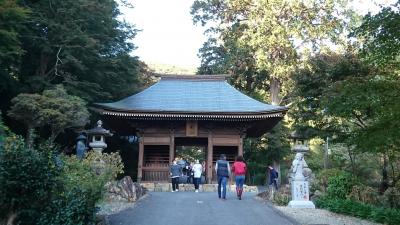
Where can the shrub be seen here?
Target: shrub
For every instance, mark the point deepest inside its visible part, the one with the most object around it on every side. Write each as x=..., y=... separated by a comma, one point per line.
x=281, y=199
x=391, y=197
x=364, y=194
x=361, y=210
x=258, y=179
x=339, y=186
x=27, y=177
x=83, y=184
x=72, y=207
x=321, y=181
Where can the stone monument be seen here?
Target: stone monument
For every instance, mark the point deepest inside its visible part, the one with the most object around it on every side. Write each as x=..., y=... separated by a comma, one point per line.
x=299, y=184
x=81, y=146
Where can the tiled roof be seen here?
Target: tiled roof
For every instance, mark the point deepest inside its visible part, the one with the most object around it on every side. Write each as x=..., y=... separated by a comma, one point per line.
x=194, y=94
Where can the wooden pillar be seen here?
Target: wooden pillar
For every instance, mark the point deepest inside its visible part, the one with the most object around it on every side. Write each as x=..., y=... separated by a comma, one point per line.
x=172, y=146
x=240, y=146
x=209, y=158
x=140, y=160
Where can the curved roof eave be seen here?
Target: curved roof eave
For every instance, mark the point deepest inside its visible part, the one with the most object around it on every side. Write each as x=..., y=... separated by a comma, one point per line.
x=194, y=96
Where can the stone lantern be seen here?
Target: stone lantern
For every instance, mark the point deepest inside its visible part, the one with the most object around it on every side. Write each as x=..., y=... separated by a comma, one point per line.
x=299, y=183
x=98, y=135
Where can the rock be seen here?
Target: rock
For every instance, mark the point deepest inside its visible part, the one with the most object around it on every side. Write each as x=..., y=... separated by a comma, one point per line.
x=148, y=186
x=317, y=194
x=125, y=189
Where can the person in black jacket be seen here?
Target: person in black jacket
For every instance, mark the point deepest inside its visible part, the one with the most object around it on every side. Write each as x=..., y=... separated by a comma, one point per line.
x=223, y=172
x=273, y=177
x=175, y=171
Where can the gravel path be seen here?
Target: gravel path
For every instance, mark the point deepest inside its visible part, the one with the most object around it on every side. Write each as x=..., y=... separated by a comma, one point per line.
x=188, y=208
x=321, y=216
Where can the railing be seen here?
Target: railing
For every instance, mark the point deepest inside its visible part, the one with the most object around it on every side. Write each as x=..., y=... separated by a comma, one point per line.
x=155, y=173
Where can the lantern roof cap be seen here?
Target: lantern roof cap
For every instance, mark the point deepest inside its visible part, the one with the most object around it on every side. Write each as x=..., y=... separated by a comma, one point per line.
x=99, y=130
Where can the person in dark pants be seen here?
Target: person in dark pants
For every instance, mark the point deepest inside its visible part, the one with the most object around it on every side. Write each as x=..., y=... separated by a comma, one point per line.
x=175, y=171
x=197, y=171
x=223, y=171
x=273, y=177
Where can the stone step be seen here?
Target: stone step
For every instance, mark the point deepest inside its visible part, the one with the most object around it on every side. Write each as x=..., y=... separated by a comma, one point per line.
x=167, y=187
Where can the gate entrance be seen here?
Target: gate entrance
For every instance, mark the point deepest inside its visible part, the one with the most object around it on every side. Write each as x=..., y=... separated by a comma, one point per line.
x=188, y=114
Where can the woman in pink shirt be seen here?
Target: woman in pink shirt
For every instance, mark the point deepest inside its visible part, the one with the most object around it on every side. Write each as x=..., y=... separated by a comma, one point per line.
x=239, y=169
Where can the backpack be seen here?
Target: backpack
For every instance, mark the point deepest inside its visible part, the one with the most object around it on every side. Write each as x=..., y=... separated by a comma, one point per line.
x=277, y=174
x=240, y=168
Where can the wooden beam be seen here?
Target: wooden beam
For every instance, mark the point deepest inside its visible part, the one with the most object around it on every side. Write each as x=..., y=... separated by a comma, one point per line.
x=140, y=160
x=171, y=146
x=210, y=158
x=240, y=146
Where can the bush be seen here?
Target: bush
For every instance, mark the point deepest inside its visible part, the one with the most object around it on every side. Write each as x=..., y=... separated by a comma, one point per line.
x=26, y=180
x=258, y=179
x=358, y=209
x=391, y=197
x=364, y=194
x=321, y=181
x=281, y=199
x=38, y=187
x=73, y=207
x=83, y=184
x=339, y=186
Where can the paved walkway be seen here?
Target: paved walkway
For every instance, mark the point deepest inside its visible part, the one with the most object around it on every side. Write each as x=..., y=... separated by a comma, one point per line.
x=188, y=208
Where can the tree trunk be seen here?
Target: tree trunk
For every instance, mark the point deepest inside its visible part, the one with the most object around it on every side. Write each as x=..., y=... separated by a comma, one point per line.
x=30, y=137
x=352, y=160
x=10, y=220
x=385, y=178
x=275, y=88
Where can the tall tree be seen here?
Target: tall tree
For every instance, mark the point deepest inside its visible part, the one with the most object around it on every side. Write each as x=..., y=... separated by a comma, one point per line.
x=54, y=108
x=274, y=32
x=82, y=44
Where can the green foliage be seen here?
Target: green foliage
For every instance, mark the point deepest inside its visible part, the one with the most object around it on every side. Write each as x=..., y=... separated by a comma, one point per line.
x=39, y=187
x=364, y=194
x=379, y=34
x=258, y=178
x=391, y=197
x=281, y=199
x=92, y=173
x=358, y=209
x=170, y=69
x=262, y=39
x=339, y=186
x=82, y=186
x=74, y=206
x=27, y=178
x=54, y=108
x=11, y=15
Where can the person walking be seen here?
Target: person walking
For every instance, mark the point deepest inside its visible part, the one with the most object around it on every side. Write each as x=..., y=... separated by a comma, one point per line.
x=175, y=171
x=197, y=171
x=223, y=172
x=273, y=177
x=239, y=169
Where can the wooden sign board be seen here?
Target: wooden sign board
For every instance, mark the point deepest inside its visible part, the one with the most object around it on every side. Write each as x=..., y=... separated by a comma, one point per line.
x=191, y=128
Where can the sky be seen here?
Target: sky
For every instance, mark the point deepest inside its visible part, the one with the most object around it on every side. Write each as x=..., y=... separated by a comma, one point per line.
x=168, y=35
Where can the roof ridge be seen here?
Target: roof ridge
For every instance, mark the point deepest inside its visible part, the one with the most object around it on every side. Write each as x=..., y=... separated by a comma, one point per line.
x=192, y=76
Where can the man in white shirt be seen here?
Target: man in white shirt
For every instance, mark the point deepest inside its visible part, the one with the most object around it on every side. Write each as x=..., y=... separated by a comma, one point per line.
x=197, y=171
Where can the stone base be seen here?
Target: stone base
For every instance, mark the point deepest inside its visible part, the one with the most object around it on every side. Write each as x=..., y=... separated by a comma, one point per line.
x=167, y=187
x=302, y=204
